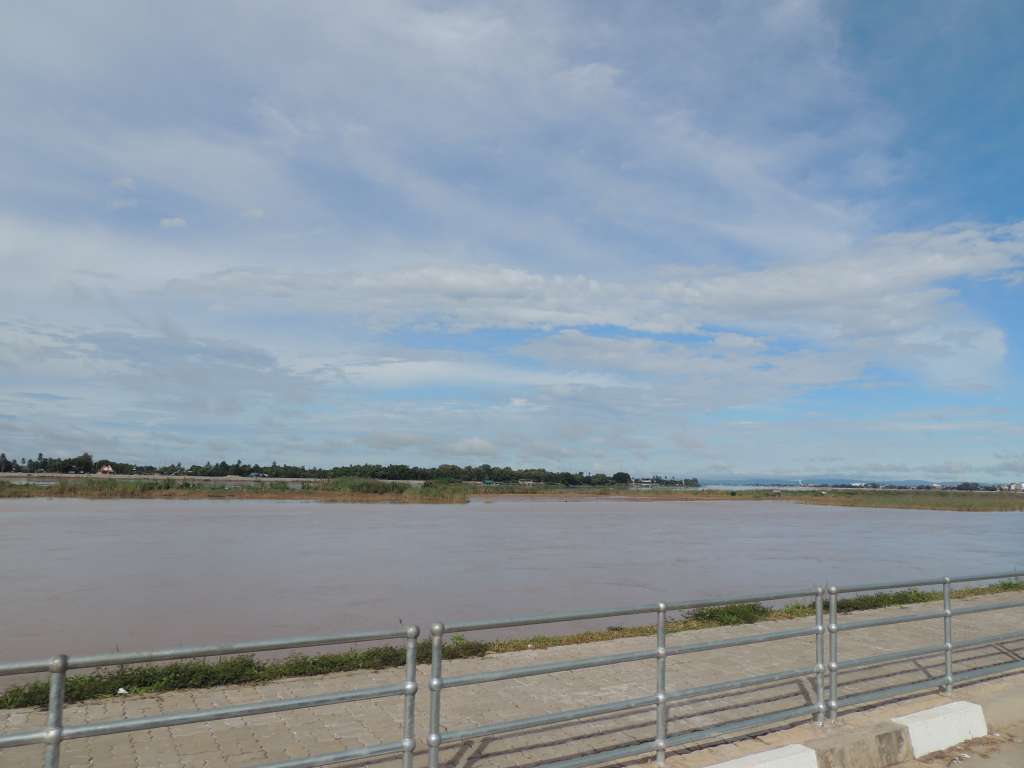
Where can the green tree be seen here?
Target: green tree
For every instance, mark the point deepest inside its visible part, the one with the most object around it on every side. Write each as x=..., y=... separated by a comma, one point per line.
x=82, y=464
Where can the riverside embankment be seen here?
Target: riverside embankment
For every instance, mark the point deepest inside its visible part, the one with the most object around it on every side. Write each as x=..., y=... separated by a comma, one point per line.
x=202, y=673
x=362, y=490
x=302, y=733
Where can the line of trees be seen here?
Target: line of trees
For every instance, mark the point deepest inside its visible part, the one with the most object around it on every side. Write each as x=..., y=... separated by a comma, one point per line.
x=85, y=464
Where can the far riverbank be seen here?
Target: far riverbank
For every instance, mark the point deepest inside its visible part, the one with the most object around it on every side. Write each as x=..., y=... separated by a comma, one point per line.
x=363, y=491
x=938, y=500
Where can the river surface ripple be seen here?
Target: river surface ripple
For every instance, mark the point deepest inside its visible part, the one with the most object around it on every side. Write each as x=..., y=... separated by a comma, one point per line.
x=85, y=576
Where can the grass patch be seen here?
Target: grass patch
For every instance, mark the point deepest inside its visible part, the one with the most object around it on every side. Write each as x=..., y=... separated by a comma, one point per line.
x=728, y=615
x=348, y=489
x=228, y=671
x=455, y=492
x=960, y=501
x=885, y=599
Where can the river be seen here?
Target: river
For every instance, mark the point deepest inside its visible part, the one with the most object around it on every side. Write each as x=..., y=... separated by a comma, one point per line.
x=82, y=576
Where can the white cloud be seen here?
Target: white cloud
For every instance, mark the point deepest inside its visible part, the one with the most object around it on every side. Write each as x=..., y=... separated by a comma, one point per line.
x=892, y=286
x=737, y=341
x=699, y=375
x=392, y=441
x=399, y=373
x=473, y=446
x=469, y=214
x=889, y=304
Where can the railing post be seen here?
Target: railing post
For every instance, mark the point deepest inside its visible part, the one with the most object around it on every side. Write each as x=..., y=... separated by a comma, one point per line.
x=436, y=682
x=662, y=726
x=409, y=721
x=947, y=631
x=833, y=654
x=55, y=715
x=819, y=655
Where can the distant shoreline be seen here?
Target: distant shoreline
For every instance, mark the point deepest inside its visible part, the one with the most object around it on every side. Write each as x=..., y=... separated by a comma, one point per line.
x=355, y=490
x=940, y=501
x=342, y=490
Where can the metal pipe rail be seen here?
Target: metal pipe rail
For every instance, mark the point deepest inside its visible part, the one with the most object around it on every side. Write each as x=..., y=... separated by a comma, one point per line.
x=946, y=648
x=659, y=700
x=827, y=702
x=56, y=732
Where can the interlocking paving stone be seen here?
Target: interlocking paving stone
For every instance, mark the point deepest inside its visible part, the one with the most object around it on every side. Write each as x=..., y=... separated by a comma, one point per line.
x=255, y=740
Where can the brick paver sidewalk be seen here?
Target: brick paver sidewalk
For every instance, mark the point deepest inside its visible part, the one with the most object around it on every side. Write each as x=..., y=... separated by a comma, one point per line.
x=301, y=733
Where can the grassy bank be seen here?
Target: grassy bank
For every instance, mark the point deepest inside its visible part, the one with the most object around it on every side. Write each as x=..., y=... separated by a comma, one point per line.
x=959, y=501
x=954, y=501
x=246, y=669
x=444, y=492
x=340, y=490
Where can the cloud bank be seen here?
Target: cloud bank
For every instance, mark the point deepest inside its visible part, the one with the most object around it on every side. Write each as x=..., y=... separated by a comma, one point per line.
x=592, y=237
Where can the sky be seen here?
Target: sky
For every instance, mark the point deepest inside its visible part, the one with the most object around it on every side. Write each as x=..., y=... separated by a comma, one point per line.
x=743, y=238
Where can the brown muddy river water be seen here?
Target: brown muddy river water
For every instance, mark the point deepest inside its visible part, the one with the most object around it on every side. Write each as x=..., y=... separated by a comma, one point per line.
x=84, y=576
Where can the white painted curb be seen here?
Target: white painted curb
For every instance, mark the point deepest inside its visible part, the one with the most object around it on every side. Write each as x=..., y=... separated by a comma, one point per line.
x=939, y=728
x=793, y=756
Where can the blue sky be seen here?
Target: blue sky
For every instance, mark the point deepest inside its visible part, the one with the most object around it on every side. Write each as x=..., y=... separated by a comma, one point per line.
x=743, y=238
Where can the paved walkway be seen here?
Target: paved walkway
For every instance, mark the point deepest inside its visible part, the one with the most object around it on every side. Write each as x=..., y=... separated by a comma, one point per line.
x=256, y=740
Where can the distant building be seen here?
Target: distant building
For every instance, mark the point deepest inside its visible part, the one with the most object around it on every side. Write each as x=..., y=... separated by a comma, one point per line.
x=106, y=469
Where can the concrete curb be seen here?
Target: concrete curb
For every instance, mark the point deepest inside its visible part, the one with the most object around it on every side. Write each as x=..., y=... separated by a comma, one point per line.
x=885, y=744
x=893, y=741
x=939, y=728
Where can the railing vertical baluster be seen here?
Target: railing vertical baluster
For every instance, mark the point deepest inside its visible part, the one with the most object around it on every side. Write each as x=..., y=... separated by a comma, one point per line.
x=947, y=631
x=436, y=682
x=819, y=655
x=662, y=726
x=409, y=721
x=825, y=706
x=55, y=715
x=833, y=654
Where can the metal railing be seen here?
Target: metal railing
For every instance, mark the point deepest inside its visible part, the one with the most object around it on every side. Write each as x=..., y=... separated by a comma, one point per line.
x=56, y=732
x=823, y=677
x=659, y=698
x=946, y=648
